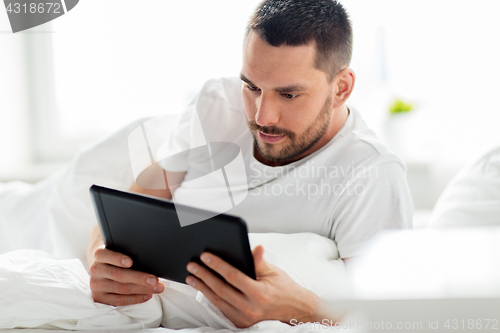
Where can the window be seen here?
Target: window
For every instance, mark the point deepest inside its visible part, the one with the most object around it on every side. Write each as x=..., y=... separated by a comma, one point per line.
x=116, y=61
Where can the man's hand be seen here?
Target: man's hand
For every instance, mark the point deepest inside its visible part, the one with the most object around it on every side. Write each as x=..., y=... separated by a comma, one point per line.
x=113, y=283
x=244, y=301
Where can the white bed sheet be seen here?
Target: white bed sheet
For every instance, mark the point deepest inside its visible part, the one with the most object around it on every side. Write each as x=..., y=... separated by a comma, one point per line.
x=56, y=216
x=154, y=330
x=39, y=291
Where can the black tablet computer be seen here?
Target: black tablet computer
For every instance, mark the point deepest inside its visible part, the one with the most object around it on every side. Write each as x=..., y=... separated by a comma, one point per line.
x=147, y=229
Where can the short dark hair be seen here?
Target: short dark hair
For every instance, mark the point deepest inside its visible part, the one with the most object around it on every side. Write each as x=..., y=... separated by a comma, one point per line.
x=300, y=22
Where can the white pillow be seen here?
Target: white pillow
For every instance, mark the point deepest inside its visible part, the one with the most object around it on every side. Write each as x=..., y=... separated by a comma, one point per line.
x=472, y=198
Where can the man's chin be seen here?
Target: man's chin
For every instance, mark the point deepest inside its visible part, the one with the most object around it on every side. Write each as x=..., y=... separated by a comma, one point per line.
x=271, y=152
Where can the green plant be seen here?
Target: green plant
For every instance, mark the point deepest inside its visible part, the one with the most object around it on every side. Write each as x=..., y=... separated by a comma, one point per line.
x=400, y=106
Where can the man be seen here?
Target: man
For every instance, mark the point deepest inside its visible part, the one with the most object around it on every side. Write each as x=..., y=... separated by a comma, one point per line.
x=312, y=163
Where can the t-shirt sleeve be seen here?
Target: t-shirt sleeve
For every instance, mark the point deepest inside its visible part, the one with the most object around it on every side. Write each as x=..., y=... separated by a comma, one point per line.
x=375, y=200
x=173, y=153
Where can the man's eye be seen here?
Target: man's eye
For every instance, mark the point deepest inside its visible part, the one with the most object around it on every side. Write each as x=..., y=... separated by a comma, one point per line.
x=252, y=88
x=289, y=96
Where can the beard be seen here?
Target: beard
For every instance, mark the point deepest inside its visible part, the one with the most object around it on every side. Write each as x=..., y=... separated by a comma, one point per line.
x=298, y=144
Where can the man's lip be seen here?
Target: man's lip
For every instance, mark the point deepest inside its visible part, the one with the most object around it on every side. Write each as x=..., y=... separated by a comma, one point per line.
x=271, y=138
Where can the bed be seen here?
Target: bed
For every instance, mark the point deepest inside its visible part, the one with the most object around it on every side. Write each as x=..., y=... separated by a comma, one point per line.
x=44, y=230
x=437, y=275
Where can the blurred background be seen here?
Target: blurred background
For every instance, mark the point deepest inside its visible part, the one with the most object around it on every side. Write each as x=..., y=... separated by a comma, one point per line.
x=427, y=71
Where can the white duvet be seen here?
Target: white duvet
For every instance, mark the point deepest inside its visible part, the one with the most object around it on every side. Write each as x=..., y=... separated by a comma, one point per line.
x=47, y=287
x=38, y=291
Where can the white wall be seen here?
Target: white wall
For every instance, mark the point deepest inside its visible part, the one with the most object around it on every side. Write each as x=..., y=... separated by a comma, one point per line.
x=443, y=56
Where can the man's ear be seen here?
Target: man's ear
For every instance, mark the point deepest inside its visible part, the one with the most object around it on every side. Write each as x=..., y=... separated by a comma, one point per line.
x=343, y=86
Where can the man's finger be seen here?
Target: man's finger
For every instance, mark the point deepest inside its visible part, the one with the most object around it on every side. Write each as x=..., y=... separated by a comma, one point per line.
x=113, y=287
x=219, y=287
x=125, y=275
x=121, y=300
x=106, y=256
x=231, y=274
x=231, y=312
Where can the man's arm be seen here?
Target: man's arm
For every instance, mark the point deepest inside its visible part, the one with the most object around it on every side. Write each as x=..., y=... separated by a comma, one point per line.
x=111, y=280
x=347, y=260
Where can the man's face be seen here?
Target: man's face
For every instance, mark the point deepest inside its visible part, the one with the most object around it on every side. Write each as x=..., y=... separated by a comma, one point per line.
x=287, y=101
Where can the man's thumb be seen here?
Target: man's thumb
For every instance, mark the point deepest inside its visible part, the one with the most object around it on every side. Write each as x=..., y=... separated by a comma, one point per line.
x=261, y=265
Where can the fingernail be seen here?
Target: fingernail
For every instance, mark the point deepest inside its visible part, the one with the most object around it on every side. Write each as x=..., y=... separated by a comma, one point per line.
x=151, y=281
x=192, y=268
x=147, y=297
x=158, y=288
x=127, y=262
x=190, y=281
x=205, y=258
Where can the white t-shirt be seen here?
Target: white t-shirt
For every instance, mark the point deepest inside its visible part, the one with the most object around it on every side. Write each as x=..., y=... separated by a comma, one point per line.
x=348, y=190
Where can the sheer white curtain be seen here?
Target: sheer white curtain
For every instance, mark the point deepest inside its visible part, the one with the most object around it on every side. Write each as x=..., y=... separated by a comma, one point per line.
x=14, y=120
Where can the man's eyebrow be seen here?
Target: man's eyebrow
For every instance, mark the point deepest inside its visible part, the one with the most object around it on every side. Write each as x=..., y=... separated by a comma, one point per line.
x=292, y=88
x=245, y=79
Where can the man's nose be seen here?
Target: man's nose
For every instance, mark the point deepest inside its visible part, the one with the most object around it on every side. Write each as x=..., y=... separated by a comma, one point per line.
x=267, y=111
